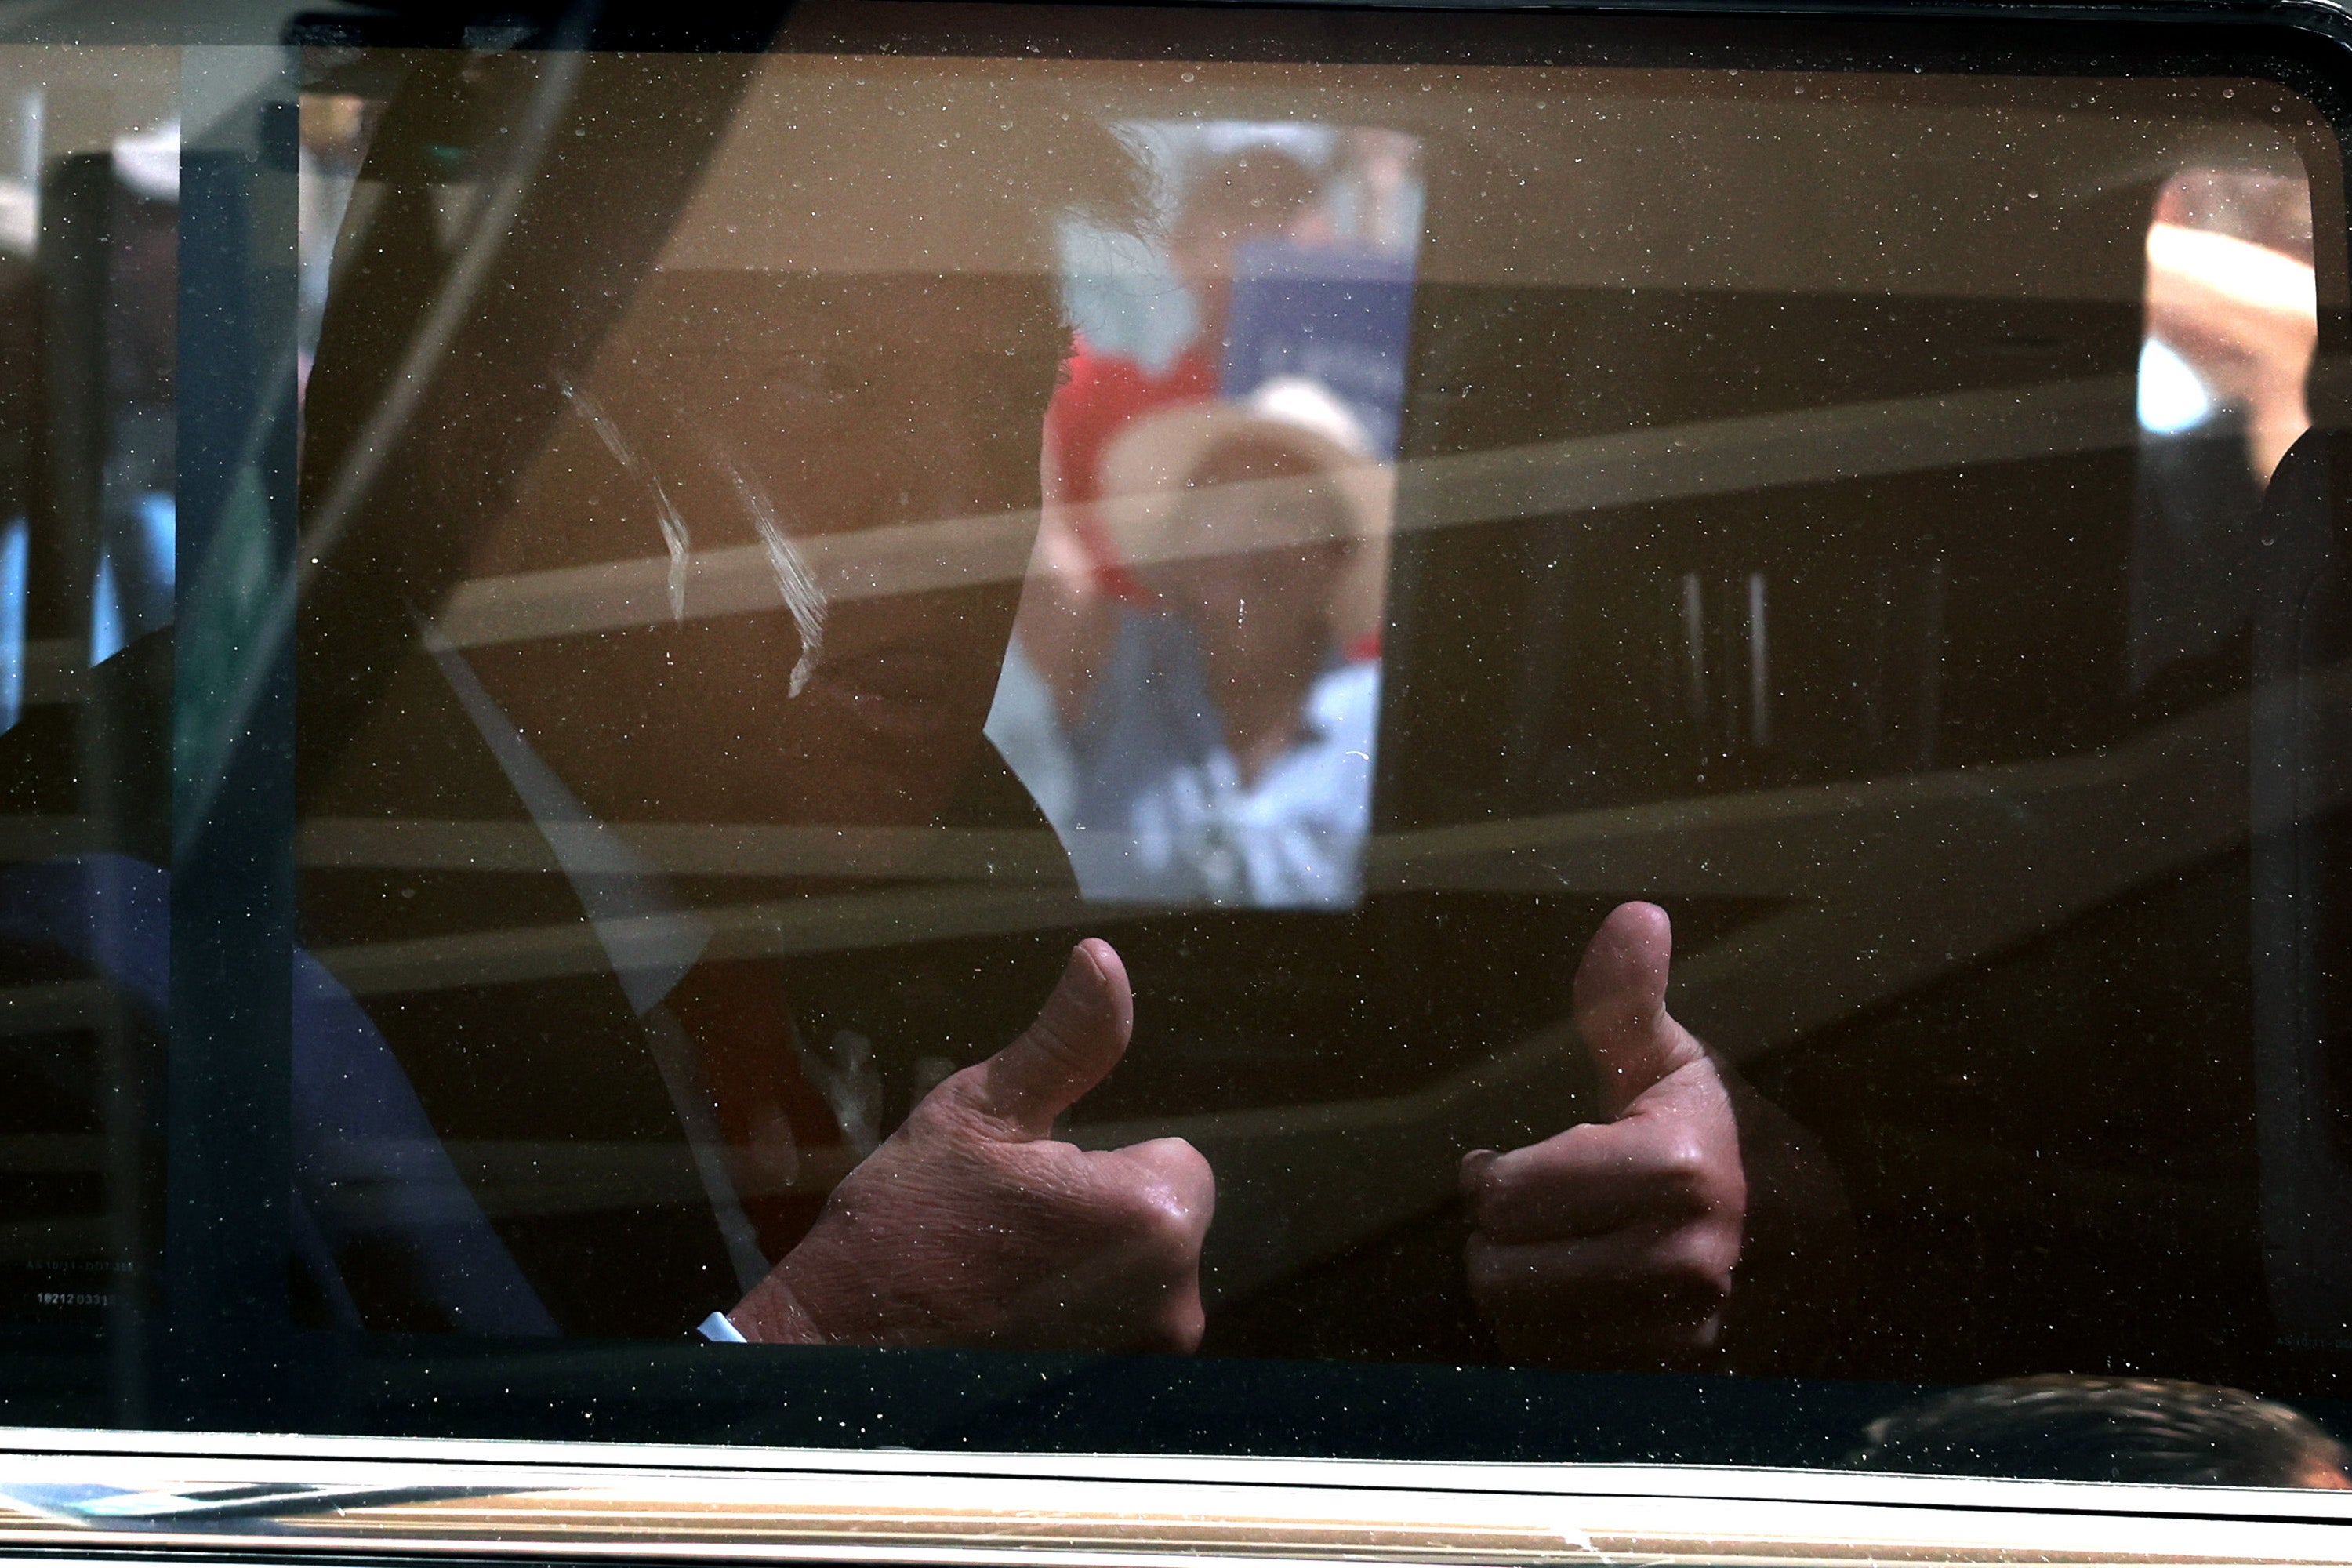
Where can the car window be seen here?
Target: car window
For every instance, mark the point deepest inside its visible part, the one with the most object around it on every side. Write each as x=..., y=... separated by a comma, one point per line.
x=1219, y=732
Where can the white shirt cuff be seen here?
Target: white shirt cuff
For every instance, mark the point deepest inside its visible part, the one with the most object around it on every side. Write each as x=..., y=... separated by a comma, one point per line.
x=718, y=1330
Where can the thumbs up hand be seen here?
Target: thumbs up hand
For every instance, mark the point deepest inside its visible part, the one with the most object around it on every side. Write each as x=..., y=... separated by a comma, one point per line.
x=1618, y=1241
x=971, y=1224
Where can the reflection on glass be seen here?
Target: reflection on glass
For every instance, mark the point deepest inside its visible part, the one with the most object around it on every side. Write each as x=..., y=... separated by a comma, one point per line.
x=2150, y=1430
x=1010, y=702
x=14, y=542
x=336, y=127
x=89, y=210
x=1339, y=601
x=2232, y=317
x=1194, y=694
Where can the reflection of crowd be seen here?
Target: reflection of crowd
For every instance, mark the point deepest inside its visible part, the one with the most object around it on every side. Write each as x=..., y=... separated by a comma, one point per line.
x=1228, y=202
x=2229, y=290
x=1193, y=690
x=1222, y=751
x=2231, y=324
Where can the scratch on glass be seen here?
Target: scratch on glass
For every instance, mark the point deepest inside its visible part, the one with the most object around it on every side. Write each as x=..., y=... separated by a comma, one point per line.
x=666, y=512
x=794, y=580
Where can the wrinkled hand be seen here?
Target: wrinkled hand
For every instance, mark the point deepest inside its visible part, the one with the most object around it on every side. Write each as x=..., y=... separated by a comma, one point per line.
x=971, y=1224
x=1617, y=1241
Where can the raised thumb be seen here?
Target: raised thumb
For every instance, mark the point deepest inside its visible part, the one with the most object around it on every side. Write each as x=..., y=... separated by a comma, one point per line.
x=1621, y=1005
x=1077, y=1038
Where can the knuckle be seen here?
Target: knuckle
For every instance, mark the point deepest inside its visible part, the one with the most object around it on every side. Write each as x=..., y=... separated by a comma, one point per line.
x=1494, y=1199
x=1686, y=1170
x=1154, y=1215
x=1527, y=1178
x=1180, y=1325
x=1479, y=1265
x=1696, y=1266
x=1188, y=1167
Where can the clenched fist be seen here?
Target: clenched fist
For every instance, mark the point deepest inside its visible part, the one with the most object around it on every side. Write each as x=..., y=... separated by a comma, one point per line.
x=1620, y=1241
x=971, y=1224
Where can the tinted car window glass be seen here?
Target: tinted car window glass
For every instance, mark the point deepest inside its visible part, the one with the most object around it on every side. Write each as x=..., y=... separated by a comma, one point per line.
x=1433, y=717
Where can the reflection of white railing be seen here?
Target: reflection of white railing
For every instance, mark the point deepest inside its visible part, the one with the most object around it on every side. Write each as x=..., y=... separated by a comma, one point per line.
x=689, y=849
x=2035, y=825
x=1718, y=456
x=1882, y=885
x=2040, y=828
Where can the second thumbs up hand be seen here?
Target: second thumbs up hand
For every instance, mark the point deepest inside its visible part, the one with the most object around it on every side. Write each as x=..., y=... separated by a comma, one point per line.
x=1616, y=1241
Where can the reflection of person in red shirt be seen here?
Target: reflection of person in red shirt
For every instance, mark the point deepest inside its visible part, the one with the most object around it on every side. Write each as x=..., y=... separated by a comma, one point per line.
x=1067, y=616
x=1103, y=392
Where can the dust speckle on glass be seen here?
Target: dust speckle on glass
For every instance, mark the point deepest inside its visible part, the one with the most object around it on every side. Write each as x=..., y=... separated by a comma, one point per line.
x=1432, y=719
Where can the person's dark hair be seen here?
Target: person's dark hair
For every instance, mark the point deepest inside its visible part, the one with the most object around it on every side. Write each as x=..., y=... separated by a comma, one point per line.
x=2061, y=1427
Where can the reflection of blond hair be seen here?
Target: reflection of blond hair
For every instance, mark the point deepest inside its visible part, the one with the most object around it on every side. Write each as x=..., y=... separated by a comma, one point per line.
x=1296, y=449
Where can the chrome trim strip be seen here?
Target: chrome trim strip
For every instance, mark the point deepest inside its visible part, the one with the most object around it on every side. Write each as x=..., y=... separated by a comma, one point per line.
x=257, y=1497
